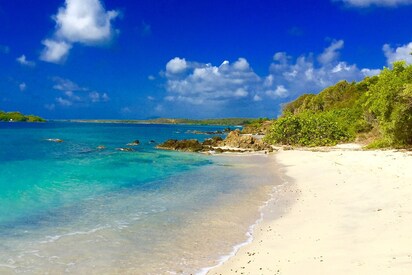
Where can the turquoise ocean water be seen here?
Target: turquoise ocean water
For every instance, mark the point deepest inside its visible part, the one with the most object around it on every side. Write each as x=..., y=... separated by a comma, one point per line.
x=69, y=207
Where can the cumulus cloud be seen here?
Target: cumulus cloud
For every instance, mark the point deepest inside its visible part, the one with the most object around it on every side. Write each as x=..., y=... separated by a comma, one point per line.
x=306, y=75
x=66, y=85
x=55, y=51
x=368, y=3
x=98, y=97
x=279, y=92
x=331, y=53
x=23, y=61
x=63, y=101
x=211, y=89
x=74, y=94
x=400, y=53
x=205, y=83
x=79, y=21
x=176, y=66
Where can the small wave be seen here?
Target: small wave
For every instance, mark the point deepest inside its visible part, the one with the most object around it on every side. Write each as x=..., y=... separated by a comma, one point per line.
x=249, y=233
x=51, y=239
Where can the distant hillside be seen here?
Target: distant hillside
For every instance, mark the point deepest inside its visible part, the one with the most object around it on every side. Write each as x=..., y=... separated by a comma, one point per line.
x=19, y=117
x=377, y=109
x=217, y=121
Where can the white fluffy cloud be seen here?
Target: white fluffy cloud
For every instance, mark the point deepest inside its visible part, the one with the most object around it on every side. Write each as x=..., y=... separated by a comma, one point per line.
x=23, y=61
x=55, y=51
x=66, y=85
x=205, y=83
x=98, y=97
x=279, y=92
x=400, y=53
x=213, y=88
x=331, y=53
x=176, y=65
x=367, y=3
x=79, y=21
x=290, y=78
x=74, y=94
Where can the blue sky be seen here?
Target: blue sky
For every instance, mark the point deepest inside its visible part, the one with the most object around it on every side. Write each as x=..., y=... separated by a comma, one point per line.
x=196, y=59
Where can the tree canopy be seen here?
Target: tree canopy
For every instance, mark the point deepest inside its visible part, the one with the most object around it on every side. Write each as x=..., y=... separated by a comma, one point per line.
x=381, y=104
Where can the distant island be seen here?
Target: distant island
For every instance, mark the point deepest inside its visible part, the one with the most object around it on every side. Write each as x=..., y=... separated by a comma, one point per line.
x=217, y=121
x=19, y=117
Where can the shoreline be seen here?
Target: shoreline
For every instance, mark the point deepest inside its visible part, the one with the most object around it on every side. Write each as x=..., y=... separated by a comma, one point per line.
x=277, y=194
x=340, y=221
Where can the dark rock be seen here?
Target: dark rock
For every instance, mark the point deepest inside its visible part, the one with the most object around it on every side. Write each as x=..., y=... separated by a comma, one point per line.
x=219, y=150
x=214, y=141
x=187, y=145
x=134, y=143
x=152, y=142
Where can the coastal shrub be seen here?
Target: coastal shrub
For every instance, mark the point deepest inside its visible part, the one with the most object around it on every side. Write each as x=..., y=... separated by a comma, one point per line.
x=259, y=126
x=378, y=108
x=389, y=101
x=310, y=129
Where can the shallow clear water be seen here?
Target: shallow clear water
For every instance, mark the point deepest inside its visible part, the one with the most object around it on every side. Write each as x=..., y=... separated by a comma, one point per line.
x=69, y=207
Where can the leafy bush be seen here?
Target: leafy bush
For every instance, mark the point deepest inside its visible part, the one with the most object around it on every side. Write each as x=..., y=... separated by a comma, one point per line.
x=310, y=129
x=390, y=101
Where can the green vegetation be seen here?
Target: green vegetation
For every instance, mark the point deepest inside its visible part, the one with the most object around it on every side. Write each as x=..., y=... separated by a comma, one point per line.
x=390, y=103
x=258, y=126
x=217, y=121
x=310, y=129
x=378, y=108
x=19, y=117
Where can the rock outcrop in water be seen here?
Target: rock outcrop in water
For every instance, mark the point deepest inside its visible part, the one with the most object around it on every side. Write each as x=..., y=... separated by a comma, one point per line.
x=234, y=142
x=134, y=143
x=187, y=145
x=55, y=140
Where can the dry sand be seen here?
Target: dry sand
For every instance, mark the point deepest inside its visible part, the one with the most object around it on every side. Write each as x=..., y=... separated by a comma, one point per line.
x=349, y=212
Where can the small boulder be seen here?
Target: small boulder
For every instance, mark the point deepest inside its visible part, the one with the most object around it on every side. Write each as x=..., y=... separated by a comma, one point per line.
x=55, y=140
x=134, y=143
x=126, y=149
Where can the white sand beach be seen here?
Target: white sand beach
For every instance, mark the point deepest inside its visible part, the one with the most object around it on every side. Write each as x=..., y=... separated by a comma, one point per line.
x=345, y=212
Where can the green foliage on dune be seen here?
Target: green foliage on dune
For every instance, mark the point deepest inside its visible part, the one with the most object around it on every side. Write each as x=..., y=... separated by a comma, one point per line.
x=310, y=129
x=19, y=117
x=390, y=102
x=381, y=105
